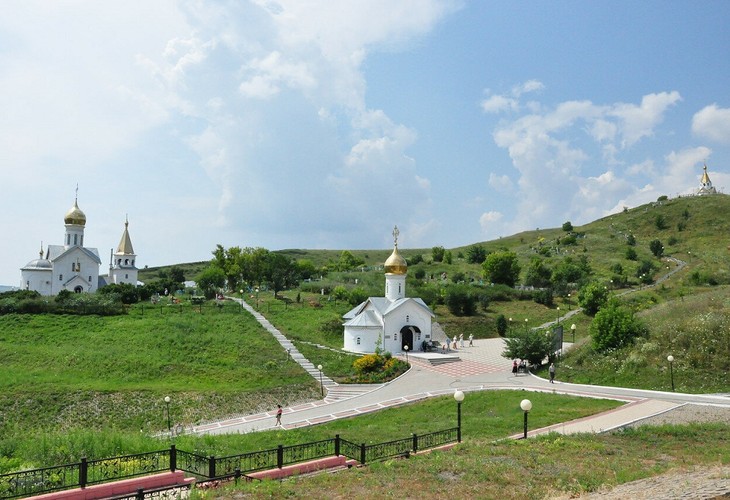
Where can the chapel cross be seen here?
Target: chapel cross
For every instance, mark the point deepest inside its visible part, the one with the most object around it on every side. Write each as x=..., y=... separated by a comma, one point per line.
x=395, y=235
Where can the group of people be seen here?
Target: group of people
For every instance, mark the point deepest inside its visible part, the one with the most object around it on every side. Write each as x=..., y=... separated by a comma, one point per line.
x=521, y=367
x=461, y=341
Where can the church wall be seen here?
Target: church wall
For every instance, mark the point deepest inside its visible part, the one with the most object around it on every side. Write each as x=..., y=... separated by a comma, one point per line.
x=75, y=263
x=362, y=340
x=39, y=281
x=411, y=314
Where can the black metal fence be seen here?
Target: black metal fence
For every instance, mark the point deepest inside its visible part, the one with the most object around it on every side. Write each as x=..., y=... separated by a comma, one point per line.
x=37, y=481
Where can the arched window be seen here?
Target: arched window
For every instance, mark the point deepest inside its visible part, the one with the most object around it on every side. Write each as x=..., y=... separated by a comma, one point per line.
x=395, y=336
x=408, y=318
x=358, y=341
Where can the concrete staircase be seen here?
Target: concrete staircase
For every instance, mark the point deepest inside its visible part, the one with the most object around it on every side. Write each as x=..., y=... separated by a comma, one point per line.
x=348, y=391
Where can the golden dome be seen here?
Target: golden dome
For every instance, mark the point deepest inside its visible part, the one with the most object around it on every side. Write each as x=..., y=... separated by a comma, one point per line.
x=396, y=264
x=75, y=216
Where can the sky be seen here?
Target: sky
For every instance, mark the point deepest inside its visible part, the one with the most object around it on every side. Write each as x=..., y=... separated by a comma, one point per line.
x=321, y=125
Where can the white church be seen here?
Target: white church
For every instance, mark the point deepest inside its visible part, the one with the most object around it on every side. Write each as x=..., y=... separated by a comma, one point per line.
x=393, y=322
x=75, y=267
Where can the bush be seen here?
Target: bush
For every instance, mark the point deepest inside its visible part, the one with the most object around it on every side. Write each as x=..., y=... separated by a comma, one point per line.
x=461, y=300
x=614, y=327
x=501, y=325
x=592, y=297
x=544, y=297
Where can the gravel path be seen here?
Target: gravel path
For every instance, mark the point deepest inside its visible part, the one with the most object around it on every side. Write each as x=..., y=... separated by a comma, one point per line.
x=692, y=484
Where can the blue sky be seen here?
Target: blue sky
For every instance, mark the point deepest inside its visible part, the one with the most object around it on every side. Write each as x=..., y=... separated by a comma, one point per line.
x=320, y=124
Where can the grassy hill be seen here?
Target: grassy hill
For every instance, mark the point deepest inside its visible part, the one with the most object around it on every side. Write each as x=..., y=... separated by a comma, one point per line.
x=75, y=381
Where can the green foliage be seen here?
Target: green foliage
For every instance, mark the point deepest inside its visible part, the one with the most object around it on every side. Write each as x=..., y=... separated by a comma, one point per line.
x=374, y=368
x=631, y=240
x=571, y=271
x=476, y=254
x=461, y=300
x=533, y=345
x=631, y=254
x=592, y=297
x=280, y=272
x=501, y=325
x=419, y=273
x=614, y=326
x=502, y=268
x=656, y=248
x=660, y=222
x=340, y=293
x=306, y=269
x=66, y=302
x=458, y=276
x=126, y=292
x=416, y=259
x=348, y=262
x=538, y=274
x=448, y=258
x=211, y=280
x=567, y=227
x=437, y=254
x=357, y=296
x=544, y=297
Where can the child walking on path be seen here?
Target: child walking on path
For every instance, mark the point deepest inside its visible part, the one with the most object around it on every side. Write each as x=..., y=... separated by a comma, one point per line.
x=279, y=411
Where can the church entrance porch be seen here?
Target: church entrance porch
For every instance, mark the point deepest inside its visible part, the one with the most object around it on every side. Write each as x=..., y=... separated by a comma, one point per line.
x=408, y=334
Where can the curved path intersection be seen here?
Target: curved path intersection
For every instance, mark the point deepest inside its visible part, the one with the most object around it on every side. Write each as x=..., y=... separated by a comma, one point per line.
x=481, y=367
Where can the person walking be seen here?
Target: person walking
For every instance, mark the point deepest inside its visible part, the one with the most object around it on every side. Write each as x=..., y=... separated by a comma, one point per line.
x=471, y=340
x=551, y=370
x=461, y=340
x=279, y=411
x=454, y=341
x=514, y=367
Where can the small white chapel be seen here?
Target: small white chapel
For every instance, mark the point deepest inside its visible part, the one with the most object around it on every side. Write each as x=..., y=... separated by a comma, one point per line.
x=393, y=322
x=75, y=267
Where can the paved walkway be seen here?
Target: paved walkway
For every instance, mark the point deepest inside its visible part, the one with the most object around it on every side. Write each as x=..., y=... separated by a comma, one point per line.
x=481, y=368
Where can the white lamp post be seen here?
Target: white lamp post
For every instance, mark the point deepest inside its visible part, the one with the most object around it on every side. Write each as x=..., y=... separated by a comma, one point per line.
x=405, y=348
x=572, y=329
x=459, y=397
x=169, y=423
x=526, y=406
x=670, y=358
x=321, y=385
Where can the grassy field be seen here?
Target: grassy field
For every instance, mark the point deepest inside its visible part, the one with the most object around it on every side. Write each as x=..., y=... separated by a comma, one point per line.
x=486, y=415
x=543, y=467
x=62, y=372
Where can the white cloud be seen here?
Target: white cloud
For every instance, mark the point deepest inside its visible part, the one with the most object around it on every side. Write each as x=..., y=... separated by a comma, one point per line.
x=500, y=182
x=510, y=102
x=487, y=222
x=712, y=123
x=637, y=122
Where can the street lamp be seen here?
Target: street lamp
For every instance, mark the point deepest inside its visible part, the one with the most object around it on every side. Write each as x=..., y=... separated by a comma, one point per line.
x=526, y=406
x=169, y=423
x=568, y=302
x=572, y=329
x=558, y=314
x=405, y=348
x=670, y=358
x=321, y=385
x=459, y=397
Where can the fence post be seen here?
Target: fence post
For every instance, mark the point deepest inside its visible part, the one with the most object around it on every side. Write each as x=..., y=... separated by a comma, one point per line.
x=211, y=467
x=237, y=474
x=415, y=443
x=83, y=472
x=337, y=445
x=140, y=494
x=280, y=456
x=173, y=458
x=362, y=453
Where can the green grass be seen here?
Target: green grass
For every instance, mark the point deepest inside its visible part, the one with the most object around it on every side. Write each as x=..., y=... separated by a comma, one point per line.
x=544, y=467
x=485, y=415
x=85, y=371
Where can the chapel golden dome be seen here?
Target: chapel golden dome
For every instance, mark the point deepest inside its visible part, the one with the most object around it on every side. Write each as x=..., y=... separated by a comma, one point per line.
x=396, y=264
x=75, y=216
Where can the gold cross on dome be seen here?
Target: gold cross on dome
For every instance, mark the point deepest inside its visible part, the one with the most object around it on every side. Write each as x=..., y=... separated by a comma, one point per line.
x=395, y=235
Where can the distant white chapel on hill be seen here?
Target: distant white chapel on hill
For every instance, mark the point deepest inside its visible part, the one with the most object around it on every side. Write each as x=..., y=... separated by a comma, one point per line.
x=393, y=322
x=75, y=267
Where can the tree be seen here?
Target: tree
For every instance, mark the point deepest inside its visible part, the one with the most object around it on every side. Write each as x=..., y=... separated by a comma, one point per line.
x=656, y=248
x=531, y=345
x=210, y=280
x=592, y=297
x=660, y=222
x=537, y=273
x=448, y=258
x=567, y=227
x=348, y=262
x=280, y=272
x=476, y=254
x=501, y=325
x=631, y=254
x=437, y=253
x=631, y=240
x=306, y=269
x=461, y=300
x=502, y=268
x=614, y=327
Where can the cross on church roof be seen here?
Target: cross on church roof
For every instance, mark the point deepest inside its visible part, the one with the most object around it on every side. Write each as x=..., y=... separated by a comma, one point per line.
x=395, y=235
